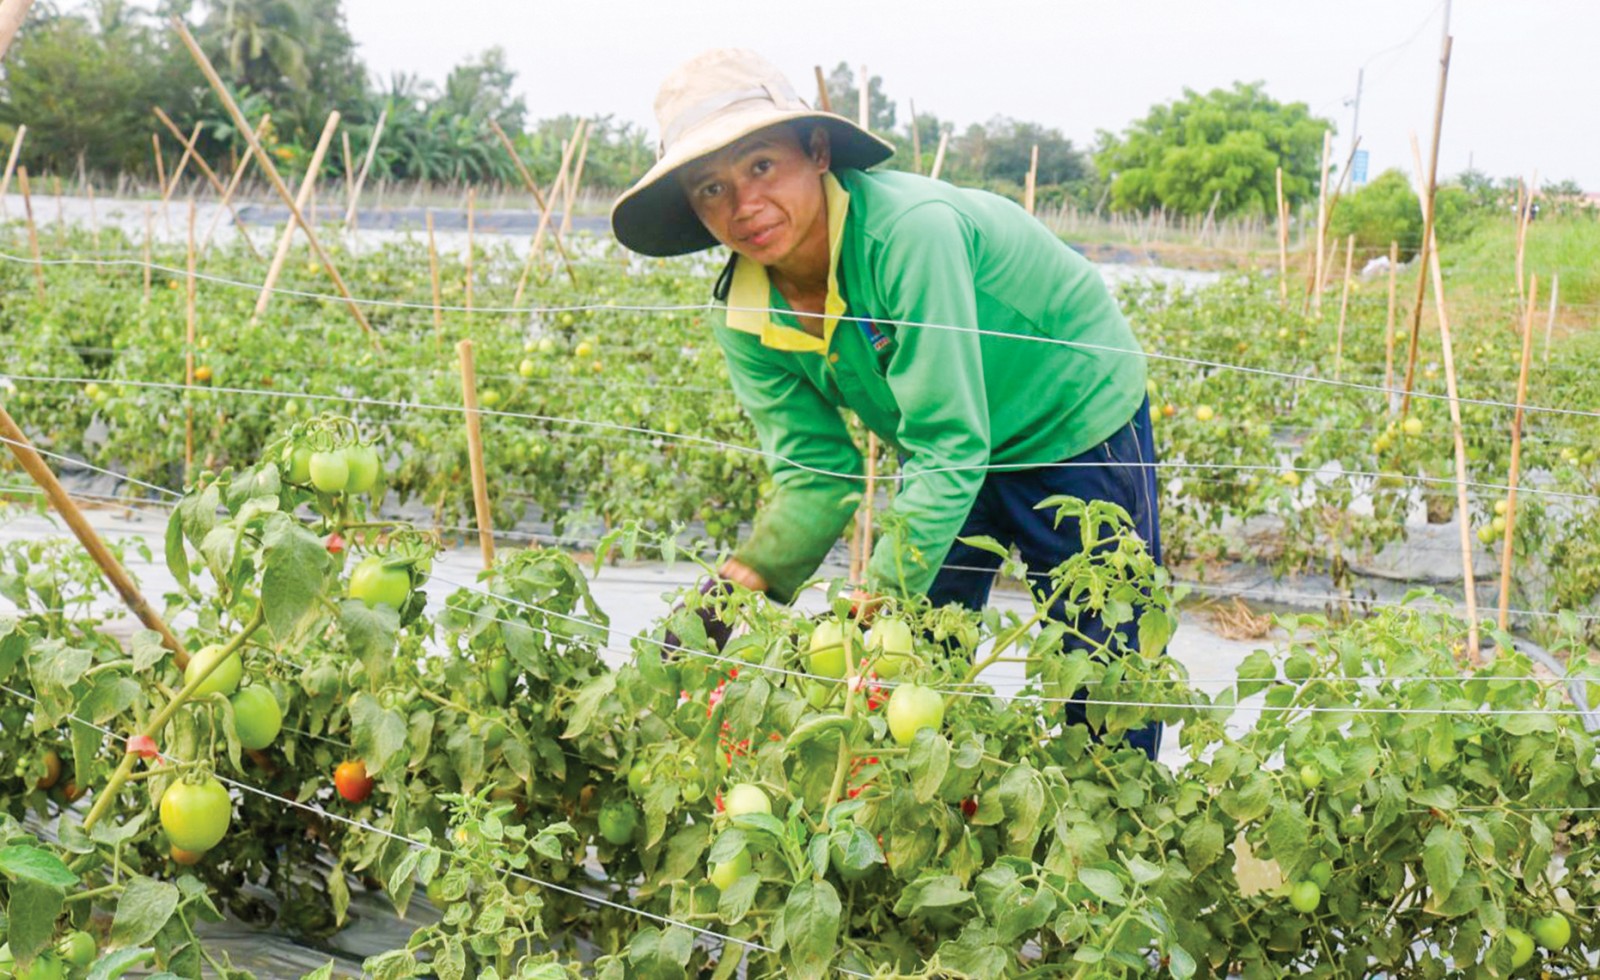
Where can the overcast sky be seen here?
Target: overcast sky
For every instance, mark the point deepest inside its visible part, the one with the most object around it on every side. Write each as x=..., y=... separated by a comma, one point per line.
x=1524, y=77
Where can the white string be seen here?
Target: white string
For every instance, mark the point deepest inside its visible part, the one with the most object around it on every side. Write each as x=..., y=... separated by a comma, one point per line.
x=90, y=466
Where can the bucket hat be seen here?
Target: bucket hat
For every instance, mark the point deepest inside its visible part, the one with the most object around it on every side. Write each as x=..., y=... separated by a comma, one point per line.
x=709, y=102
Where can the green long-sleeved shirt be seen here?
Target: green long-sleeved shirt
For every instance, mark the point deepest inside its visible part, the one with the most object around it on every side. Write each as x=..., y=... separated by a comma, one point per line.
x=972, y=387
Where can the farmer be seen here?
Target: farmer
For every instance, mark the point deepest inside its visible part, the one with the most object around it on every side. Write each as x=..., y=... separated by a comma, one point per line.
x=957, y=327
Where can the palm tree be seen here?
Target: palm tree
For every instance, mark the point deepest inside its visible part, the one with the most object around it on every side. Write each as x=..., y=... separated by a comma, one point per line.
x=263, y=43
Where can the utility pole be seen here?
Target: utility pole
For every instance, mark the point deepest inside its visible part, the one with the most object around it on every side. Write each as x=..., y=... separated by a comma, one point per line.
x=1355, y=123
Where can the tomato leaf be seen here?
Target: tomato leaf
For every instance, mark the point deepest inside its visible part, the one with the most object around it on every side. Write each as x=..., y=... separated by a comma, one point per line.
x=372, y=634
x=1444, y=860
x=295, y=564
x=110, y=966
x=35, y=865
x=143, y=910
x=658, y=955
x=928, y=760
x=810, y=929
x=738, y=899
x=377, y=732
x=931, y=891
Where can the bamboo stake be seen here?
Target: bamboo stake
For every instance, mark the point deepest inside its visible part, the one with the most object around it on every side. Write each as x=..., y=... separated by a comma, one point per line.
x=1322, y=226
x=1344, y=306
x=1507, y=552
x=1283, y=246
x=366, y=165
x=11, y=166
x=1524, y=216
x=823, y=102
x=480, y=486
x=1550, y=324
x=472, y=202
x=544, y=211
x=149, y=233
x=1388, y=334
x=433, y=275
x=12, y=13
x=286, y=240
x=1333, y=206
x=938, y=154
x=61, y=213
x=211, y=175
x=349, y=168
x=23, y=450
x=916, y=141
x=188, y=354
x=575, y=183
x=33, y=231
x=161, y=181
x=183, y=162
x=1031, y=182
x=864, y=513
x=1469, y=582
x=272, y=174
x=227, y=195
x=1427, y=225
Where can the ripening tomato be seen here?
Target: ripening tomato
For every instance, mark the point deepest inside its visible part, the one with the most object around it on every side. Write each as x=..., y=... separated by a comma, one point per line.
x=195, y=815
x=913, y=708
x=186, y=858
x=351, y=780
x=745, y=798
x=890, y=639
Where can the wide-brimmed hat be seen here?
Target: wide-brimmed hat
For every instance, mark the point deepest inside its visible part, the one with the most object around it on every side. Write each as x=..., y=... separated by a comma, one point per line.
x=713, y=100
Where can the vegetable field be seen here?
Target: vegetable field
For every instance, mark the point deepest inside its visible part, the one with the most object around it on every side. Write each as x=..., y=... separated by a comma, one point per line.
x=1385, y=788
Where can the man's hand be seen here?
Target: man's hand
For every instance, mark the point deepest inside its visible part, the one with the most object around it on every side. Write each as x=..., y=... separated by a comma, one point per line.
x=739, y=573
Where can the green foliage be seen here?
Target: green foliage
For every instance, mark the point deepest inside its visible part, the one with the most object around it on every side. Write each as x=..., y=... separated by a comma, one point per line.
x=1221, y=148
x=1383, y=211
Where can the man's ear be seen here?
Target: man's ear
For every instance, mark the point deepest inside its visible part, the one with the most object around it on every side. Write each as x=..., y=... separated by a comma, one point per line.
x=819, y=148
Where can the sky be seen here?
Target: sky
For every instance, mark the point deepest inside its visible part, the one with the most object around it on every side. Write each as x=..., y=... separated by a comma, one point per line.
x=1523, y=93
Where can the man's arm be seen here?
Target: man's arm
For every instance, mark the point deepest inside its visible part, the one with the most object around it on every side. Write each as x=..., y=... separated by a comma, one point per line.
x=814, y=463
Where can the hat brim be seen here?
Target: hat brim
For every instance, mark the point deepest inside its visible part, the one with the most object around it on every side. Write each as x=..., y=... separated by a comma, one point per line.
x=654, y=218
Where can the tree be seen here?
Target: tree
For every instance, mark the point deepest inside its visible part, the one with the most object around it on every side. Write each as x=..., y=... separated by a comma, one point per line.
x=1385, y=210
x=481, y=89
x=1221, y=148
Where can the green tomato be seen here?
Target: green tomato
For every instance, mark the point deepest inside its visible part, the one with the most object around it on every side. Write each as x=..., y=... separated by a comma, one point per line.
x=1552, y=931
x=723, y=875
x=330, y=471
x=499, y=678
x=1310, y=776
x=1321, y=873
x=77, y=948
x=692, y=791
x=890, y=640
x=47, y=966
x=364, y=467
x=526, y=368
x=223, y=680
x=300, y=465
x=196, y=815
x=618, y=820
x=911, y=709
x=1305, y=896
x=373, y=583
x=257, y=717
x=639, y=777
x=743, y=798
x=826, y=657
x=1521, y=947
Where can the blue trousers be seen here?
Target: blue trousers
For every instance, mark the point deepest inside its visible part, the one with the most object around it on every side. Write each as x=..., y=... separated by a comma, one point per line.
x=1004, y=510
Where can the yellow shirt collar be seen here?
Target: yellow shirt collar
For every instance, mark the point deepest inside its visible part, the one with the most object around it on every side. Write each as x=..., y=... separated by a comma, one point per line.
x=750, y=293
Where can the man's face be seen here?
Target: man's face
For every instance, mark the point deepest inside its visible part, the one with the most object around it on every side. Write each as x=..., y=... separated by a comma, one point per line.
x=762, y=196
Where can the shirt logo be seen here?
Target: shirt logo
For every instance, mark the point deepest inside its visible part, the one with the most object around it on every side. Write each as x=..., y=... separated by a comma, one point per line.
x=877, y=338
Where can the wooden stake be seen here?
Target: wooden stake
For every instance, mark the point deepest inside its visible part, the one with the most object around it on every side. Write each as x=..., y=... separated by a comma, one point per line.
x=11, y=167
x=94, y=218
x=1550, y=324
x=239, y=168
x=307, y=184
x=1283, y=246
x=366, y=165
x=188, y=354
x=211, y=175
x=1524, y=215
x=867, y=501
x=183, y=161
x=1507, y=552
x=544, y=211
x=472, y=202
x=576, y=182
x=1427, y=225
x=1468, y=580
x=161, y=181
x=1344, y=306
x=23, y=450
x=938, y=154
x=433, y=275
x=12, y=13
x=271, y=171
x=1388, y=334
x=480, y=485
x=1322, y=226
x=823, y=102
x=916, y=141
x=33, y=231
x=1031, y=182
x=349, y=170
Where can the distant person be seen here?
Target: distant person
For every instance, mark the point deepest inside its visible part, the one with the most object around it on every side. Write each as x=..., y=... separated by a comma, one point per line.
x=958, y=328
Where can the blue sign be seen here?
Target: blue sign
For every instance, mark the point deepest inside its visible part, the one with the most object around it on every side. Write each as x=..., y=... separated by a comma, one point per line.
x=1358, y=168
